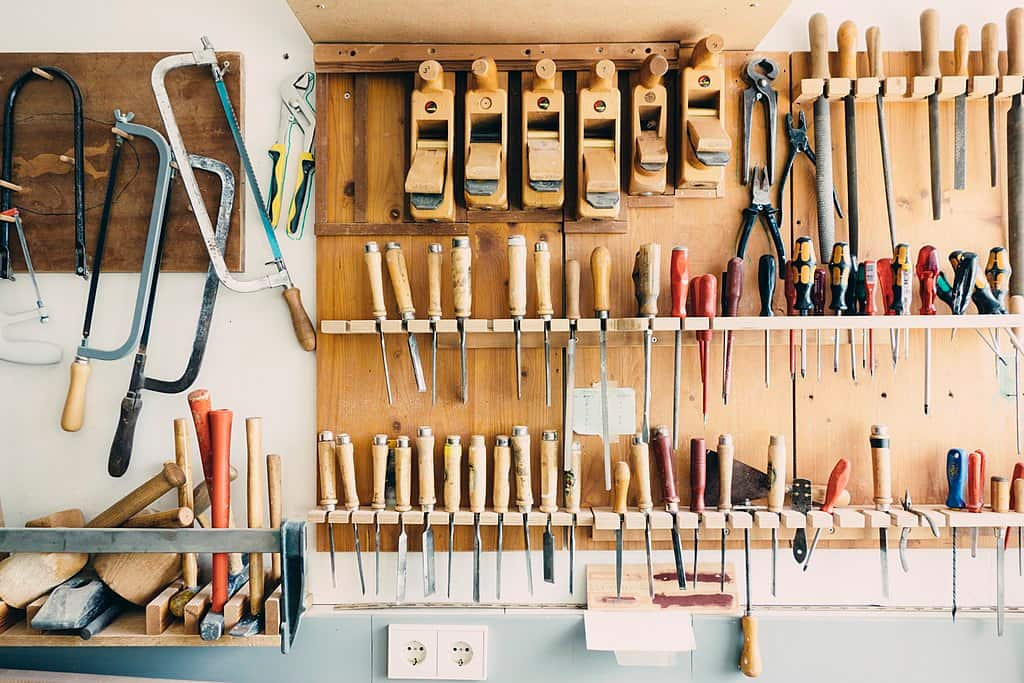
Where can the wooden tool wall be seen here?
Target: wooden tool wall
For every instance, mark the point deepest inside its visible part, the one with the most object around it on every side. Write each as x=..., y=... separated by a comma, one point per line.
x=362, y=161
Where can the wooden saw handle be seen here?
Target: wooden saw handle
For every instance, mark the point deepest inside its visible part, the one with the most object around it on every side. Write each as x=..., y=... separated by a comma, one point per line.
x=542, y=278
x=517, y=276
x=549, y=472
x=502, y=467
x=930, y=44
x=639, y=455
x=73, y=416
x=301, y=323
x=425, y=461
x=817, y=29
x=477, y=460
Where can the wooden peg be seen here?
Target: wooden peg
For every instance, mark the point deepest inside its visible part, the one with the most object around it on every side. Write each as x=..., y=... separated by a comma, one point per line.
x=598, y=146
x=543, y=139
x=42, y=73
x=704, y=146
x=428, y=181
x=486, y=126
x=477, y=472
x=650, y=120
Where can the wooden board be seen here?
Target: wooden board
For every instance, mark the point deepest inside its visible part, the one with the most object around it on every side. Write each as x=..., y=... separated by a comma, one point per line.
x=117, y=80
x=702, y=598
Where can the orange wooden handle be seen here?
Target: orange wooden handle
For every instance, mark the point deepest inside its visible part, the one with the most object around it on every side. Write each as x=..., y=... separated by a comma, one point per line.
x=220, y=498
x=837, y=482
x=200, y=406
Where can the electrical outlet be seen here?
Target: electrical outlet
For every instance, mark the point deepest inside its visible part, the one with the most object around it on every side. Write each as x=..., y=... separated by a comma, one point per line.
x=412, y=652
x=462, y=653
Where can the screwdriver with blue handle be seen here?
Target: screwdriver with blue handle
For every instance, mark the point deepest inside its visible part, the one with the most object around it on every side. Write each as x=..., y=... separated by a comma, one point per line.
x=956, y=476
x=839, y=281
x=767, y=270
x=801, y=272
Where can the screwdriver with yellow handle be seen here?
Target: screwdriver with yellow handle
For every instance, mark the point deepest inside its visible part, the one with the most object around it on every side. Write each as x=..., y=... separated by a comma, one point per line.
x=801, y=273
x=839, y=267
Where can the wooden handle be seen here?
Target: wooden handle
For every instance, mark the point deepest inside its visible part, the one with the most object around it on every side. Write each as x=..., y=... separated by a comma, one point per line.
x=571, y=480
x=434, y=258
x=776, y=472
x=517, y=276
x=881, y=466
x=837, y=482
x=255, y=504
x=647, y=274
x=544, y=75
x=175, y=518
x=876, y=58
x=653, y=70
x=68, y=519
x=425, y=462
x=462, y=276
x=661, y=444
x=930, y=44
x=73, y=416
x=485, y=74
x=325, y=467
x=399, y=276
x=698, y=474
x=620, y=487
x=169, y=477
x=975, y=493
x=542, y=277
x=186, y=498
x=817, y=29
x=679, y=280
x=1000, y=494
x=374, y=261
x=961, y=50
x=521, y=464
x=572, y=289
x=706, y=52
x=275, y=507
x=502, y=467
x=452, y=473
x=726, y=454
x=344, y=451
x=640, y=459
x=600, y=275
x=301, y=323
x=549, y=472
x=750, y=658
x=403, y=475
x=846, y=40
x=1018, y=495
x=990, y=49
x=379, y=460
x=1015, y=42
x=201, y=496
x=430, y=76
x=199, y=404
x=220, y=499
x=602, y=76
x=477, y=463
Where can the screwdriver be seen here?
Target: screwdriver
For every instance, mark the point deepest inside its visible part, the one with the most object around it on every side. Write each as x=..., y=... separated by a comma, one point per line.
x=379, y=463
x=901, y=289
x=698, y=479
x=750, y=656
x=572, y=312
x=927, y=271
x=767, y=271
x=399, y=276
x=663, y=460
x=502, y=466
x=884, y=276
x=600, y=274
x=818, y=303
x=542, y=275
x=705, y=301
x=975, y=494
x=571, y=491
x=882, y=474
x=790, y=292
x=1017, y=501
x=1000, y=505
x=679, y=278
x=425, y=465
x=839, y=282
x=374, y=268
x=870, y=308
x=725, y=461
x=619, y=507
x=524, y=489
x=641, y=459
x=956, y=477
x=462, y=289
x=452, y=493
x=477, y=460
x=732, y=292
x=776, y=491
x=646, y=287
x=328, y=489
x=517, y=299
x=549, y=497
x=837, y=482
x=801, y=270
x=343, y=451
x=998, y=272
x=434, y=310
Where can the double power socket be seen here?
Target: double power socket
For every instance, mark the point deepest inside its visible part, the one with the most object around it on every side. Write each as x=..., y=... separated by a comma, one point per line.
x=437, y=653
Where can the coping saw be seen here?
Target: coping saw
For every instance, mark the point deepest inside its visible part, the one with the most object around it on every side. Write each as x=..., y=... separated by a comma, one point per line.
x=14, y=349
x=298, y=113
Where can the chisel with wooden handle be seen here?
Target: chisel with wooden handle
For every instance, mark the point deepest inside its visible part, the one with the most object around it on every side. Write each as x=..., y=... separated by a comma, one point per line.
x=462, y=292
x=524, y=489
x=501, y=495
x=679, y=280
x=698, y=479
x=664, y=456
x=1000, y=505
x=600, y=273
x=639, y=455
x=549, y=497
x=374, y=269
x=477, y=461
x=434, y=311
x=328, y=489
x=542, y=274
x=846, y=41
x=725, y=461
x=572, y=312
x=619, y=507
x=517, y=299
x=345, y=455
x=837, y=482
x=571, y=492
x=452, y=493
x=425, y=467
x=378, y=503
x=647, y=284
x=930, y=69
x=403, y=503
x=881, y=470
x=776, y=492
x=399, y=275
x=818, y=30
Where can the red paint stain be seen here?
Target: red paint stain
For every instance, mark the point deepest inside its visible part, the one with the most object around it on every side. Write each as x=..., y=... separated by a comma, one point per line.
x=611, y=599
x=719, y=600
x=706, y=577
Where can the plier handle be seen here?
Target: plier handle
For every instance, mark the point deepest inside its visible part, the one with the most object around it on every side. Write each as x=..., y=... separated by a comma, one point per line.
x=760, y=206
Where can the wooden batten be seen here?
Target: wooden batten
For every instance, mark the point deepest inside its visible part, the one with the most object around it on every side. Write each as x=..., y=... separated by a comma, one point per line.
x=158, y=611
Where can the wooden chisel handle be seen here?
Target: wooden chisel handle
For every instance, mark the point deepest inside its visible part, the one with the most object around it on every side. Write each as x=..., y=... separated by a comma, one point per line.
x=199, y=403
x=620, y=490
x=961, y=50
x=549, y=471
x=344, y=451
x=325, y=467
x=990, y=49
x=881, y=467
x=661, y=444
x=876, y=57
x=679, y=280
x=817, y=29
x=572, y=289
x=1000, y=494
x=648, y=279
x=425, y=461
x=73, y=415
x=452, y=473
x=462, y=277
x=726, y=453
x=698, y=474
x=403, y=475
x=517, y=276
x=399, y=276
x=750, y=658
x=186, y=498
x=255, y=504
x=275, y=507
x=175, y=518
x=1015, y=42
x=975, y=482
x=600, y=275
x=640, y=458
x=502, y=467
x=521, y=463
x=542, y=278
x=379, y=458
x=776, y=472
x=846, y=41
x=434, y=258
x=169, y=477
x=220, y=499
x=930, y=44
x=477, y=462
x=301, y=324
x=571, y=480
x=375, y=271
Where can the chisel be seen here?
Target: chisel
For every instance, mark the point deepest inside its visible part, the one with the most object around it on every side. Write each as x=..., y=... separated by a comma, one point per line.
x=679, y=279
x=571, y=492
x=549, y=497
x=1001, y=505
x=542, y=276
x=462, y=291
x=328, y=489
x=477, y=472
x=427, y=500
x=698, y=474
x=501, y=493
x=600, y=273
x=990, y=67
x=572, y=312
x=846, y=41
x=517, y=299
x=374, y=262
x=524, y=490
x=732, y=291
x=876, y=69
x=640, y=457
x=705, y=302
x=399, y=276
x=930, y=69
x=837, y=482
x=818, y=30
x=975, y=494
x=403, y=503
x=379, y=458
x=927, y=269
x=776, y=491
x=956, y=477
x=664, y=455
x=434, y=310
x=452, y=493
x=344, y=452
x=881, y=471
x=725, y=461
x=646, y=286
x=767, y=269
x=961, y=56
x=801, y=272
x=619, y=507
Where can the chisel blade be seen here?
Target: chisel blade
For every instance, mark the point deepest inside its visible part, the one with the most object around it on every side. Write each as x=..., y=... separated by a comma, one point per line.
x=547, y=363
x=403, y=558
x=433, y=363
x=1000, y=579
x=549, y=553
x=497, y=555
x=462, y=359
x=529, y=560
x=677, y=555
x=618, y=561
x=960, y=142
x=647, y=551
x=429, y=560
x=568, y=399
x=376, y=553
x=883, y=552
x=384, y=362
x=359, y=558
x=935, y=155
x=476, y=557
x=330, y=542
x=414, y=355
x=572, y=553
x=451, y=549
x=605, y=427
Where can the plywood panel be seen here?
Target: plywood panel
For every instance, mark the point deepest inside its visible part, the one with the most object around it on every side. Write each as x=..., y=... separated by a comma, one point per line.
x=117, y=80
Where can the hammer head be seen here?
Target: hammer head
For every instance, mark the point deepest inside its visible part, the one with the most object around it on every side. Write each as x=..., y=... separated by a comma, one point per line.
x=73, y=604
x=212, y=626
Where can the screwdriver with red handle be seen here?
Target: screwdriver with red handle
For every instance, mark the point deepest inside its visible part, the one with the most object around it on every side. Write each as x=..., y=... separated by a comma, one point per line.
x=975, y=493
x=705, y=301
x=884, y=272
x=679, y=277
x=927, y=269
x=818, y=303
x=837, y=482
x=870, y=307
x=732, y=286
x=801, y=271
x=698, y=480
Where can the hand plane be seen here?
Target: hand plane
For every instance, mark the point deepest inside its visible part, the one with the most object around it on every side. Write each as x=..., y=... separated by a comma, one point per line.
x=597, y=160
x=650, y=128
x=543, y=137
x=705, y=146
x=486, y=137
x=431, y=143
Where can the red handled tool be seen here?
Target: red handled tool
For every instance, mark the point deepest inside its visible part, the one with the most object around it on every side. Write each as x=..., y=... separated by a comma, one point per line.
x=199, y=405
x=679, y=277
x=927, y=270
x=733, y=291
x=975, y=494
x=837, y=482
x=705, y=301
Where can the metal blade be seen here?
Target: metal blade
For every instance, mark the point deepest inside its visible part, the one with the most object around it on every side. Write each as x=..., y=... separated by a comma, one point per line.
x=676, y=385
x=677, y=554
x=384, y=361
x=904, y=534
x=775, y=552
x=476, y=557
x=451, y=548
x=618, y=561
x=960, y=142
x=1000, y=579
x=824, y=184
x=647, y=550
x=721, y=571
x=403, y=558
x=330, y=542
x=767, y=361
x=883, y=138
x=359, y=558
x=810, y=551
x=417, y=366
x=993, y=142
x=429, y=560
x=645, y=430
x=572, y=553
x=935, y=155
x=605, y=428
x=974, y=543
x=529, y=560
x=498, y=545
x=433, y=363
x=462, y=359
x=376, y=553
x=549, y=553
x=883, y=551
x=852, y=191
x=952, y=534
x=1020, y=551
x=568, y=400
x=547, y=363
x=696, y=543
x=519, y=361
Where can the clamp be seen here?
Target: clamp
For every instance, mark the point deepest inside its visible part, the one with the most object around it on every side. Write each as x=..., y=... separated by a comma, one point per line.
x=761, y=205
x=905, y=532
x=800, y=144
x=761, y=72
x=298, y=114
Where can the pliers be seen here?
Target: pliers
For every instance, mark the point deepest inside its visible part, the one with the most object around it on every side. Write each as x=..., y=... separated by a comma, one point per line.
x=761, y=205
x=905, y=533
x=800, y=144
x=761, y=72
x=298, y=114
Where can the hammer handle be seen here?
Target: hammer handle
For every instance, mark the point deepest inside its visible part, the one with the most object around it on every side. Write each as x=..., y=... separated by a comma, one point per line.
x=200, y=406
x=220, y=499
x=274, y=504
x=169, y=477
x=255, y=504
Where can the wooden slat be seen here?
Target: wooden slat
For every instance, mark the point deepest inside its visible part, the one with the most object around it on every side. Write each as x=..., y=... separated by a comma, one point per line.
x=158, y=611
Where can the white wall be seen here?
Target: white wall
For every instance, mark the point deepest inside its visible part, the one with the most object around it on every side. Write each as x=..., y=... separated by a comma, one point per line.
x=253, y=364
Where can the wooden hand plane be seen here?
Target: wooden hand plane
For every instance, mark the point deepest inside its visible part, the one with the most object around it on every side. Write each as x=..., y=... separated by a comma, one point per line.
x=431, y=143
x=705, y=146
x=486, y=137
x=597, y=160
x=650, y=128
x=543, y=137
